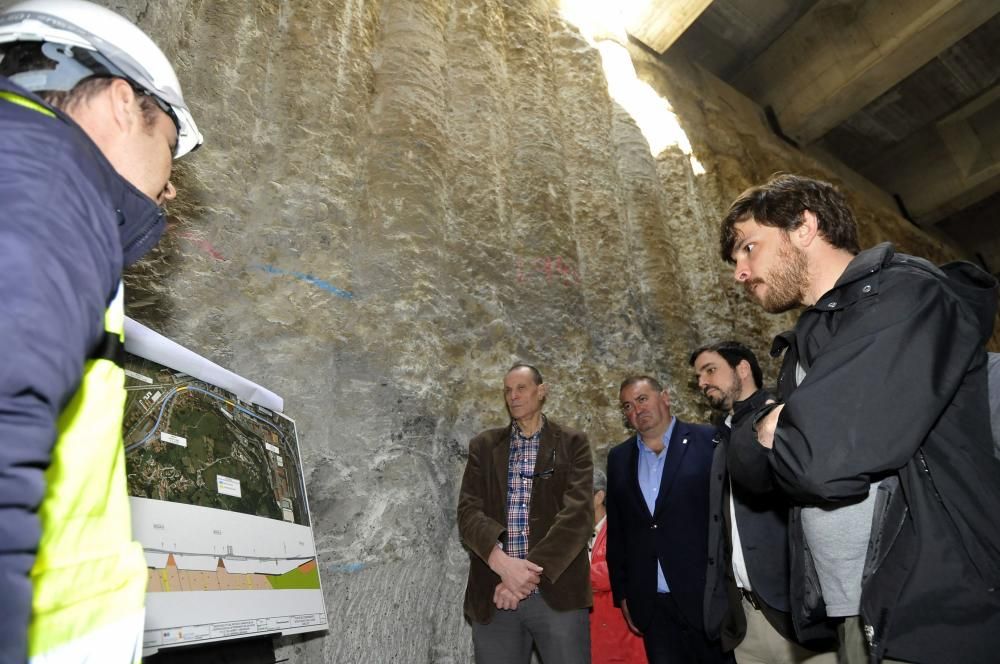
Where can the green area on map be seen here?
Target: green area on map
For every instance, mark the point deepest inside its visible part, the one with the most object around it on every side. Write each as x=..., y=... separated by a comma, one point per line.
x=305, y=577
x=190, y=442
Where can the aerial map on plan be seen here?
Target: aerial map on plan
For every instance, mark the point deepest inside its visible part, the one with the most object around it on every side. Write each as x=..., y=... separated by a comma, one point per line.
x=190, y=442
x=217, y=498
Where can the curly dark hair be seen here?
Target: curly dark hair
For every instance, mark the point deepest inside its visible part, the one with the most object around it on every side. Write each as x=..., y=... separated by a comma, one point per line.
x=780, y=203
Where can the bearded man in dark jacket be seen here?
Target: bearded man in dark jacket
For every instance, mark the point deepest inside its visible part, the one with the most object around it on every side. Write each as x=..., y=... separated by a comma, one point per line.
x=881, y=436
x=746, y=590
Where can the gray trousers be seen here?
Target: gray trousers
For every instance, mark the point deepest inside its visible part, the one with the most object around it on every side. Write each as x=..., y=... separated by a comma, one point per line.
x=562, y=637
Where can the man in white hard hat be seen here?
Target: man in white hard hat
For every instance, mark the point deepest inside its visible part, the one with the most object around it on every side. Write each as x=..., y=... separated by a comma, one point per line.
x=92, y=116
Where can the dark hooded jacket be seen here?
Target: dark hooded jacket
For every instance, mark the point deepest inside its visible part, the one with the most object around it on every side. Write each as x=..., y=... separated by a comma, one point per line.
x=68, y=224
x=895, y=389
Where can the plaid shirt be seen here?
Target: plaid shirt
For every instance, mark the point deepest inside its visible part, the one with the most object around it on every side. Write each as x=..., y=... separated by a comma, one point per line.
x=520, y=468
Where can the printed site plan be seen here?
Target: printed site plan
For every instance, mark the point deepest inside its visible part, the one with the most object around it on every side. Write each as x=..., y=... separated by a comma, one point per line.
x=218, y=500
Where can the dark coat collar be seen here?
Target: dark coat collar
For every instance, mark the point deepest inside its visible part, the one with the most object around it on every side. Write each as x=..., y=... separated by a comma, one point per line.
x=741, y=409
x=859, y=280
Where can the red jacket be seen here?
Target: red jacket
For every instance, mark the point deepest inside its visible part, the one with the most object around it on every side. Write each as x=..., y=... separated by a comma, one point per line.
x=610, y=638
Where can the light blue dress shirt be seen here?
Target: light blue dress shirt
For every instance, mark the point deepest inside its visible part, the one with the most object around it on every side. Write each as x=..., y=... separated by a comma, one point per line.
x=650, y=474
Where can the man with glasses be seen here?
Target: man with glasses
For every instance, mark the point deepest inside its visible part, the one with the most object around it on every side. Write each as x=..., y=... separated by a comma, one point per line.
x=526, y=513
x=657, y=503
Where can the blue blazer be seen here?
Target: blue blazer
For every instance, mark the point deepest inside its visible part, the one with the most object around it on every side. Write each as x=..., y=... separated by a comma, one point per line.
x=676, y=534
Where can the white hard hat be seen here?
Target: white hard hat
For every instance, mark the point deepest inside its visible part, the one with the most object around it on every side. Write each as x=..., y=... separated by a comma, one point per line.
x=88, y=39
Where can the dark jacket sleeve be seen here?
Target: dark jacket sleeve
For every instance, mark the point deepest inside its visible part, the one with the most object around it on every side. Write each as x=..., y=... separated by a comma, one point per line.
x=477, y=530
x=748, y=461
x=58, y=266
x=874, y=392
x=574, y=523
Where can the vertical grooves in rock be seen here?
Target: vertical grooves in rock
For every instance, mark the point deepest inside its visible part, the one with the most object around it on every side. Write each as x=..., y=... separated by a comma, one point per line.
x=396, y=199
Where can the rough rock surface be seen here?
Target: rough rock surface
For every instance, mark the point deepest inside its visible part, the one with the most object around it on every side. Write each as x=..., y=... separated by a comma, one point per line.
x=399, y=198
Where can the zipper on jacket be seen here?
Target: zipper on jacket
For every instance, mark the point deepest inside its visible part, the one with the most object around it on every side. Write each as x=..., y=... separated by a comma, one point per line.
x=973, y=561
x=924, y=467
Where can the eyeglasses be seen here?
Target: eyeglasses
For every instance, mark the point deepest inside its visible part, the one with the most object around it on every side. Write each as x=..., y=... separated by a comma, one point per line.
x=164, y=106
x=545, y=474
x=93, y=63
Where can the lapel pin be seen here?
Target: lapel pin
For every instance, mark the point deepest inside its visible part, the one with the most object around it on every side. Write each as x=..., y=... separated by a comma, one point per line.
x=684, y=441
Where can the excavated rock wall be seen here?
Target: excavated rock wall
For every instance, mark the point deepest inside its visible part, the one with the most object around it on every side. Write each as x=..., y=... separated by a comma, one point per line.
x=399, y=198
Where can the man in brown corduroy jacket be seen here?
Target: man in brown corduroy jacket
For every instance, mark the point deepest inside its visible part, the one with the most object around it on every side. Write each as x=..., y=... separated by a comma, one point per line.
x=525, y=513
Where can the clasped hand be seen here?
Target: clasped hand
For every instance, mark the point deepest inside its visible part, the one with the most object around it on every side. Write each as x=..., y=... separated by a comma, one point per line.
x=518, y=579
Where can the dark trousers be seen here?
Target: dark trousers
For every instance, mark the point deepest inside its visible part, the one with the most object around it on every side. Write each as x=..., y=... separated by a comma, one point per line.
x=670, y=639
x=562, y=637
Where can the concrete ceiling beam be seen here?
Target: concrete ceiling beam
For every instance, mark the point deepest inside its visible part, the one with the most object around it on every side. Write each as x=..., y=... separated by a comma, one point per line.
x=843, y=54
x=659, y=23
x=947, y=166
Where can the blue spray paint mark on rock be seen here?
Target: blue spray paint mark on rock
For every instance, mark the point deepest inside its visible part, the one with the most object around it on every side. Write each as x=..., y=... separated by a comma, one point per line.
x=307, y=278
x=347, y=568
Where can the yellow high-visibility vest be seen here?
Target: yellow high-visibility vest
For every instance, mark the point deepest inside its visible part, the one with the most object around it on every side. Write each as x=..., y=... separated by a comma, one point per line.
x=89, y=577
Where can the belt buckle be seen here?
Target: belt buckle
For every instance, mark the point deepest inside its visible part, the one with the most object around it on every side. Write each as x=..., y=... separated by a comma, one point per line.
x=749, y=596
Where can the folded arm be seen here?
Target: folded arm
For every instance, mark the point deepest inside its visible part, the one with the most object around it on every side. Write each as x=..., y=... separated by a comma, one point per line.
x=874, y=393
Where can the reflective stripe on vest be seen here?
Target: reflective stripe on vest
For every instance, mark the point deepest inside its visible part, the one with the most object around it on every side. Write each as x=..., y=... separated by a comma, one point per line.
x=15, y=98
x=89, y=574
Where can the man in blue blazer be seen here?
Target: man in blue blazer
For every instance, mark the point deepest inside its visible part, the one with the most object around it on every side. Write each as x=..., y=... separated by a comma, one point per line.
x=657, y=502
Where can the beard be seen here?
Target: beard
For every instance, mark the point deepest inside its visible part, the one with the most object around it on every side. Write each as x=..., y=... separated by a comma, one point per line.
x=786, y=282
x=724, y=399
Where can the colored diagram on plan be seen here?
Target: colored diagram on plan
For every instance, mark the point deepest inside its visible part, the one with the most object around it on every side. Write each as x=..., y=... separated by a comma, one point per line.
x=171, y=578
